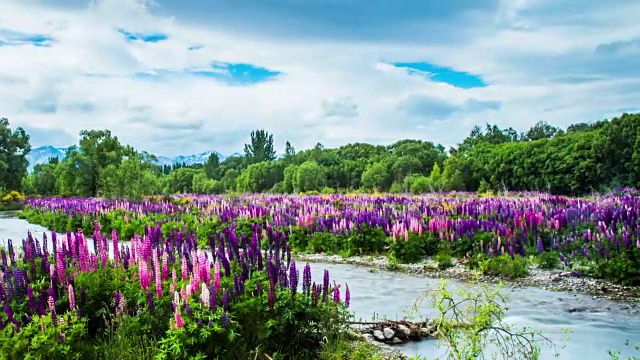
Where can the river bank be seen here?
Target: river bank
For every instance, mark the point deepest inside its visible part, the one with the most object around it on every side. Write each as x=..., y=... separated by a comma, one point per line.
x=552, y=280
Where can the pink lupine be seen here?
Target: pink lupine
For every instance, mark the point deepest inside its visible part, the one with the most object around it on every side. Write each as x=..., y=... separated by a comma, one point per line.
x=116, y=253
x=178, y=318
x=185, y=269
x=158, y=274
x=216, y=274
x=174, y=281
x=143, y=271
x=72, y=298
x=165, y=267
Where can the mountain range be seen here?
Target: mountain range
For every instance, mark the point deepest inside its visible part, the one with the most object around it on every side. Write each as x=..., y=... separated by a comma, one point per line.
x=42, y=154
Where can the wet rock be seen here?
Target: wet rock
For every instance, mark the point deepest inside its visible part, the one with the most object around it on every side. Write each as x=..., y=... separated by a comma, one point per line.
x=396, y=341
x=368, y=337
x=388, y=333
x=404, y=331
x=576, y=309
x=378, y=335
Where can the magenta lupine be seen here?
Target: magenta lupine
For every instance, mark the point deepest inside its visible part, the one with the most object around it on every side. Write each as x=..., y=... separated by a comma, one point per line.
x=158, y=274
x=62, y=276
x=165, y=267
x=179, y=323
x=347, y=296
x=174, y=281
x=185, y=269
x=52, y=305
x=72, y=298
x=143, y=272
x=116, y=255
x=216, y=274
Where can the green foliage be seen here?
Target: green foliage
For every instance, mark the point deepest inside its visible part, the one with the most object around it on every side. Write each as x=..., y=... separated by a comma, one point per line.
x=622, y=269
x=504, y=265
x=42, y=338
x=14, y=146
x=548, y=260
x=261, y=147
x=469, y=321
x=309, y=176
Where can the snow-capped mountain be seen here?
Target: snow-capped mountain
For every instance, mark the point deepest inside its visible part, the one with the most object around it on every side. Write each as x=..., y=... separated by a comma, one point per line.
x=41, y=155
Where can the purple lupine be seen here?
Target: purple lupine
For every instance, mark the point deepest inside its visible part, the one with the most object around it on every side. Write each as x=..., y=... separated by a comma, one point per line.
x=188, y=309
x=347, y=296
x=325, y=286
x=540, y=246
x=293, y=278
x=271, y=299
x=226, y=322
x=306, y=279
x=336, y=294
x=259, y=288
x=225, y=300
x=72, y=298
x=151, y=303
x=213, y=298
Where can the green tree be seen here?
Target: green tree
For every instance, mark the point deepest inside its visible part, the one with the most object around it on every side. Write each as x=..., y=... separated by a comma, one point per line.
x=310, y=176
x=212, y=166
x=436, y=178
x=261, y=147
x=375, y=176
x=98, y=149
x=14, y=147
x=542, y=130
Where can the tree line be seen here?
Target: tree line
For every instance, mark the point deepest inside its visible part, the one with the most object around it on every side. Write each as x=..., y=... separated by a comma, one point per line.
x=581, y=159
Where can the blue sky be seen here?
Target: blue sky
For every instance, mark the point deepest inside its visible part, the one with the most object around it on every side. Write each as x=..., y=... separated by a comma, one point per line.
x=179, y=77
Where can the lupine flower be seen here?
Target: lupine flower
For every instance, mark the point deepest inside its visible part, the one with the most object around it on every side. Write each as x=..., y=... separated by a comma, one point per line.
x=179, y=323
x=151, y=303
x=72, y=298
x=347, y=296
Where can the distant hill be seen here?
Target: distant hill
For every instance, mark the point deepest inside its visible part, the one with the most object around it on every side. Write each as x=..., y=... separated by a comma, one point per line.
x=41, y=155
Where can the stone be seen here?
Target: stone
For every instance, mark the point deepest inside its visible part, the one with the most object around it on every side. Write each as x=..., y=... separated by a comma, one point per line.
x=404, y=329
x=396, y=340
x=388, y=333
x=369, y=337
x=378, y=335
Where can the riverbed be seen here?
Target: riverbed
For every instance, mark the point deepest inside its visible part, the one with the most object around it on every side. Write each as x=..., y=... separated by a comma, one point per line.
x=597, y=324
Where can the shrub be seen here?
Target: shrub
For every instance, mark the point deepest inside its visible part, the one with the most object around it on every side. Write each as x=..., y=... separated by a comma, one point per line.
x=505, y=266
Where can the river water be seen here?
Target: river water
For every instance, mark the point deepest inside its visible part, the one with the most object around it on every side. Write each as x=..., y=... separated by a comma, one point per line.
x=599, y=325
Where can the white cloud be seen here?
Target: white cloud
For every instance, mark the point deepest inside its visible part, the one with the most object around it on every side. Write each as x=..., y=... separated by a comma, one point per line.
x=538, y=69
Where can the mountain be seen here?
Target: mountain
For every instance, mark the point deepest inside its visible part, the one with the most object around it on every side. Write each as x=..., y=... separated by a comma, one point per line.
x=41, y=155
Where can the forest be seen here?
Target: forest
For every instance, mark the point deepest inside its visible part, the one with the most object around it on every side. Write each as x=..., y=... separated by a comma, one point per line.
x=584, y=158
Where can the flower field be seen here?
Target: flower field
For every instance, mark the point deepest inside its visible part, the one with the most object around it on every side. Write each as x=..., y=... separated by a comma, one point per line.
x=599, y=237
x=214, y=275
x=162, y=297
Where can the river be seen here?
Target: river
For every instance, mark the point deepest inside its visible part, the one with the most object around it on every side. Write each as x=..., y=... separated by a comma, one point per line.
x=599, y=326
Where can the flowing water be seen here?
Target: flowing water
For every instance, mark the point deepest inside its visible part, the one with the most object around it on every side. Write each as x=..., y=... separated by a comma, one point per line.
x=599, y=325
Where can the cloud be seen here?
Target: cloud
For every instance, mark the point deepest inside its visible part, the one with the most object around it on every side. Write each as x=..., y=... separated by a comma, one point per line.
x=16, y=38
x=438, y=73
x=41, y=136
x=437, y=108
x=144, y=37
x=229, y=73
x=340, y=107
x=201, y=75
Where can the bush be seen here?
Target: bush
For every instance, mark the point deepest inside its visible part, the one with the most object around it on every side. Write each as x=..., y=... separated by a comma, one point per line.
x=548, y=260
x=504, y=265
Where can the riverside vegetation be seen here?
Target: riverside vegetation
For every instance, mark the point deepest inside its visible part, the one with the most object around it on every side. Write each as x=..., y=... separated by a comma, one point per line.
x=165, y=296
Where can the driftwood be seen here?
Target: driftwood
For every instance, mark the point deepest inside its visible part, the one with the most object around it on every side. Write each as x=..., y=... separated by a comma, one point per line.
x=396, y=331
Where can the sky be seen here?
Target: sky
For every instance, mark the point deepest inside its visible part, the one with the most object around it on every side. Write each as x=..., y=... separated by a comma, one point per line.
x=177, y=77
